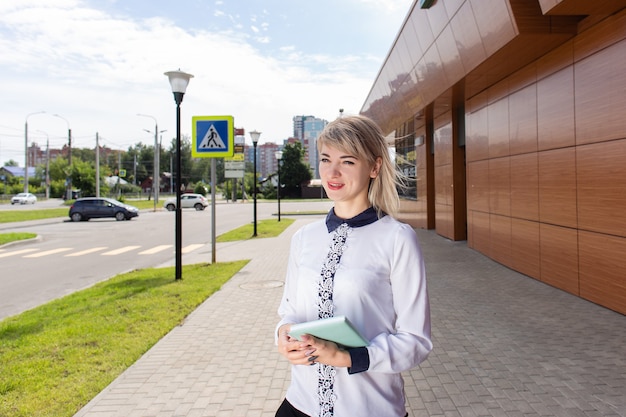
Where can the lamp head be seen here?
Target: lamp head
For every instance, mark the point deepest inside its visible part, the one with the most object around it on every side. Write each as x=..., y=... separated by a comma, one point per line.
x=178, y=80
x=31, y=114
x=279, y=155
x=254, y=135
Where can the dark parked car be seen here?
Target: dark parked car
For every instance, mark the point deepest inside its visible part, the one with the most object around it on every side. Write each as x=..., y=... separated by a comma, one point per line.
x=97, y=208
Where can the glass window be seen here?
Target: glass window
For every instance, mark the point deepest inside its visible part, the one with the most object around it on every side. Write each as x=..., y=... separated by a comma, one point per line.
x=405, y=160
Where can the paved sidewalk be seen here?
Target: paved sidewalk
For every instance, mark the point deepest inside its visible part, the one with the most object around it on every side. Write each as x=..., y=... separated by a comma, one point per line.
x=505, y=345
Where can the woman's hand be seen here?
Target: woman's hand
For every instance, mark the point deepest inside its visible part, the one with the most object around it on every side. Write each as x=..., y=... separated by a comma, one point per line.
x=310, y=350
x=296, y=352
x=326, y=352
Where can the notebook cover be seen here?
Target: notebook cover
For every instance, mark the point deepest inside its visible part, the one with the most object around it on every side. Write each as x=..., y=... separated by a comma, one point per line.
x=336, y=329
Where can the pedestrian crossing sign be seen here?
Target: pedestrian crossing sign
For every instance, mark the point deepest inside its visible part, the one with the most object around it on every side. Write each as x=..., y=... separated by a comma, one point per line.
x=212, y=136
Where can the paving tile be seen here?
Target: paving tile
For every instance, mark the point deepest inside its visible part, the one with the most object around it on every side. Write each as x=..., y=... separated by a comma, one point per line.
x=505, y=345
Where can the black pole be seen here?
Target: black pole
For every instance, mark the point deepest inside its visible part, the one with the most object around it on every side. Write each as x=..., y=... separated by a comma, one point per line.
x=69, y=162
x=178, y=97
x=254, y=189
x=278, y=190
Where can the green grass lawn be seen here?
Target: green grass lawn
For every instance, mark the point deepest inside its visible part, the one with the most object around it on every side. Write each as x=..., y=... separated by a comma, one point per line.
x=264, y=228
x=13, y=237
x=8, y=216
x=57, y=357
x=145, y=204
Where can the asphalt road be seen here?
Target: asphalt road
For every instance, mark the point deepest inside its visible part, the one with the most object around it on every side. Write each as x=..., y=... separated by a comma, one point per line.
x=50, y=203
x=69, y=256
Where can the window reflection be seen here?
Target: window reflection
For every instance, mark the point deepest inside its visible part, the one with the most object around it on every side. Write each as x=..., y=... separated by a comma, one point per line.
x=406, y=162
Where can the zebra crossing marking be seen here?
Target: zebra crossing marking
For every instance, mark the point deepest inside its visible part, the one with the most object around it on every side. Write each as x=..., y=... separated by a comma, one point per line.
x=87, y=251
x=191, y=248
x=120, y=250
x=47, y=252
x=155, y=249
x=17, y=252
x=32, y=253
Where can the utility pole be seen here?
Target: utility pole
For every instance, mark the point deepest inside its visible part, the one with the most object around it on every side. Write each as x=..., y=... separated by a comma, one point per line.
x=47, y=168
x=157, y=157
x=119, y=171
x=97, y=167
x=69, y=156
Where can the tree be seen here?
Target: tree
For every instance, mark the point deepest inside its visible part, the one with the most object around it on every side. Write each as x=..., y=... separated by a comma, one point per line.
x=186, y=161
x=139, y=161
x=84, y=154
x=84, y=177
x=59, y=169
x=293, y=171
x=11, y=163
x=200, y=170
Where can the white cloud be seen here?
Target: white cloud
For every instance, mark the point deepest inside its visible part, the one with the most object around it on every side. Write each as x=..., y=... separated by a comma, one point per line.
x=99, y=70
x=387, y=5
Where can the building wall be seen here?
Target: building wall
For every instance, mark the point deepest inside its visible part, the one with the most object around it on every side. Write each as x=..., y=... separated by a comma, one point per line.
x=420, y=212
x=266, y=154
x=535, y=169
x=313, y=127
x=546, y=172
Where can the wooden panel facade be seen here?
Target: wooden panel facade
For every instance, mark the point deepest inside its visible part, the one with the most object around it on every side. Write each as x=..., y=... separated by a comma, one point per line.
x=524, y=187
x=602, y=266
x=525, y=247
x=444, y=199
x=542, y=145
x=601, y=191
x=567, y=173
x=559, y=257
x=557, y=187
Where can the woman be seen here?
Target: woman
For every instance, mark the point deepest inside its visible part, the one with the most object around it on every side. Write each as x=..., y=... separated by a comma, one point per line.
x=361, y=263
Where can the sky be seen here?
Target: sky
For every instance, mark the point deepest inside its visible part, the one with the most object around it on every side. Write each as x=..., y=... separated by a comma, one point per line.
x=97, y=64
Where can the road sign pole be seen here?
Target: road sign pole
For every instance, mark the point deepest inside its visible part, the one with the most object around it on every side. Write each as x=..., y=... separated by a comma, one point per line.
x=212, y=137
x=213, y=182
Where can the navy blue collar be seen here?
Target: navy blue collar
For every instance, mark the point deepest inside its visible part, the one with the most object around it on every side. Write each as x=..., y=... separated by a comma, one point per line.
x=363, y=219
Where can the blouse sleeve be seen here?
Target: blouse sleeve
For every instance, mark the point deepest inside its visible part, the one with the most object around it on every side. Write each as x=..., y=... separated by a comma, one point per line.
x=287, y=307
x=410, y=343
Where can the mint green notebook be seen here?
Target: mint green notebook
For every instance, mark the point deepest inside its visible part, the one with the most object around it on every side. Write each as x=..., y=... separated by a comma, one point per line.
x=336, y=329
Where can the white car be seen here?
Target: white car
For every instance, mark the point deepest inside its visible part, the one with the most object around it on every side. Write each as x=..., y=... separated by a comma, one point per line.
x=197, y=201
x=24, y=198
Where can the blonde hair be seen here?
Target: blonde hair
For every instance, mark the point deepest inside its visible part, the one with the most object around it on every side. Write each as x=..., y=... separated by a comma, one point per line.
x=361, y=137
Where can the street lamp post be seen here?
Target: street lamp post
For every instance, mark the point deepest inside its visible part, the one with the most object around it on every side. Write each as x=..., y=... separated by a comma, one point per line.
x=69, y=156
x=157, y=150
x=26, y=149
x=47, y=178
x=157, y=164
x=279, y=156
x=179, y=81
x=254, y=135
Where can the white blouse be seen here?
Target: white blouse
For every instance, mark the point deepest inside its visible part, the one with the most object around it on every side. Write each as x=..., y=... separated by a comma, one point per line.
x=380, y=285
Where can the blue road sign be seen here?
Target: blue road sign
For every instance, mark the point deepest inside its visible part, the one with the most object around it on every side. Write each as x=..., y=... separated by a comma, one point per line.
x=212, y=136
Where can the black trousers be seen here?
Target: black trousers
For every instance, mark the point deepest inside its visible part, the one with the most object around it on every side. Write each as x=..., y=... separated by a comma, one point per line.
x=288, y=410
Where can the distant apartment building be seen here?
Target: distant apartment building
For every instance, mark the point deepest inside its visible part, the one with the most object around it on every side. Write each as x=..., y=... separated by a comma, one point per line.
x=38, y=156
x=266, y=162
x=307, y=129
